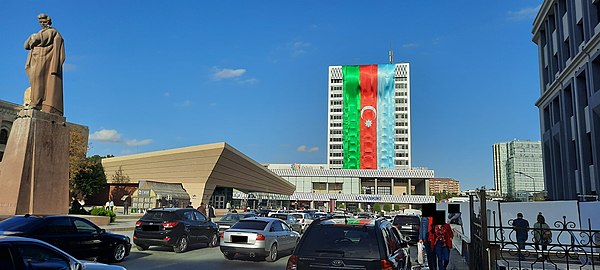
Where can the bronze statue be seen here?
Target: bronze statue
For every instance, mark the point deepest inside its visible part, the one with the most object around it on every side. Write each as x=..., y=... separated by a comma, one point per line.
x=44, y=67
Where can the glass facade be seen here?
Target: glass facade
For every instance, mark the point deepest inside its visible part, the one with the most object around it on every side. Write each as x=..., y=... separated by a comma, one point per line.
x=323, y=184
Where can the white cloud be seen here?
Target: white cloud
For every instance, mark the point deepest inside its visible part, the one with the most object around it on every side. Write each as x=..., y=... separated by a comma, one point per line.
x=298, y=47
x=137, y=143
x=526, y=13
x=113, y=136
x=106, y=135
x=227, y=73
x=167, y=94
x=249, y=81
x=304, y=148
x=411, y=45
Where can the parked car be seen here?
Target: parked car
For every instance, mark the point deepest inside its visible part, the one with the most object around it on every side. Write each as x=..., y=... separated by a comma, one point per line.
x=350, y=244
x=231, y=218
x=305, y=219
x=289, y=219
x=320, y=215
x=17, y=253
x=264, y=212
x=365, y=215
x=174, y=227
x=77, y=236
x=408, y=226
x=258, y=237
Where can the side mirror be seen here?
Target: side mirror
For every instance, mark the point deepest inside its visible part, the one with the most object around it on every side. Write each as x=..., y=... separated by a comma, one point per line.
x=101, y=231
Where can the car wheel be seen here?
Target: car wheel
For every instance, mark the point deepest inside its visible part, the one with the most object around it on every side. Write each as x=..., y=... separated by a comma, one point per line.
x=141, y=247
x=229, y=256
x=181, y=244
x=272, y=254
x=214, y=241
x=118, y=253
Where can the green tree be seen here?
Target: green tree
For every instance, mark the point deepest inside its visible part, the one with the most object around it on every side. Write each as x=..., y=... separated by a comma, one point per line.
x=90, y=178
x=377, y=208
x=443, y=195
x=387, y=207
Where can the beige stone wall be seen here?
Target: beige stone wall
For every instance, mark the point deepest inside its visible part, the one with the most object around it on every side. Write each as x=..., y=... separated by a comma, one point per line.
x=200, y=169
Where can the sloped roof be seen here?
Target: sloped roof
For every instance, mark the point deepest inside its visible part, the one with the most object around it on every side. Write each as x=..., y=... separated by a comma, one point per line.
x=202, y=166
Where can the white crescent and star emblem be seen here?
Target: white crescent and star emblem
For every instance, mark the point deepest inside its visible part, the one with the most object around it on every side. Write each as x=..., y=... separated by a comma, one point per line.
x=368, y=122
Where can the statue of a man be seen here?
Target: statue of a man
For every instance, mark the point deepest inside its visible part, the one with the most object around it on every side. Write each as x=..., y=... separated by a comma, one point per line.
x=44, y=67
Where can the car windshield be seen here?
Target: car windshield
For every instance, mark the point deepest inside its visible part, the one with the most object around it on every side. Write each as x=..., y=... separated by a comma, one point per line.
x=298, y=216
x=19, y=224
x=231, y=217
x=340, y=241
x=159, y=215
x=406, y=220
x=250, y=225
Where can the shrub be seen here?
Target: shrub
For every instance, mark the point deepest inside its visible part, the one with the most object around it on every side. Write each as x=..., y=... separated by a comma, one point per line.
x=377, y=208
x=387, y=207
x=101, y=211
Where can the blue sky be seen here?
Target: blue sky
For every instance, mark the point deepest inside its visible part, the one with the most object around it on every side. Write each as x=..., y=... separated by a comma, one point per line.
x=153, y=75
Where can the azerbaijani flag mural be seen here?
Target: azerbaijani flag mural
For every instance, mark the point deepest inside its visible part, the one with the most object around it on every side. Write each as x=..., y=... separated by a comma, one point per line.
x=368, y=116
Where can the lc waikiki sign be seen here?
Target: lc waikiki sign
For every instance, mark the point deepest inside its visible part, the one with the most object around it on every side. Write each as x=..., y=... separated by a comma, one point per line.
x=368, y=116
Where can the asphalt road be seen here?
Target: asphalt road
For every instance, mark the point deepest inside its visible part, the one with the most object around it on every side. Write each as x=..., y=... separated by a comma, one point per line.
x=198, y=257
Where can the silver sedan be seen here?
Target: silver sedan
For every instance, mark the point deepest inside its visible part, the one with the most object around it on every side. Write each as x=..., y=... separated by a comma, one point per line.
x=258, y=237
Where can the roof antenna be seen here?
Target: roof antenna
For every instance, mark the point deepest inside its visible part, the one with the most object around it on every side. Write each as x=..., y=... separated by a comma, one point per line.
x=391, y=54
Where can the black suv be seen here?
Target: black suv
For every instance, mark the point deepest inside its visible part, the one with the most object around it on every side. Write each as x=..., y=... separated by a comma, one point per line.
x=350, y=244
x=77, y=236
x=408, y=225
x=174, y=227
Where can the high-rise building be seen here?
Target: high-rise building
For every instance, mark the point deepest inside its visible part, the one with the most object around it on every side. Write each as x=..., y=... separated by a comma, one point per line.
x=369, y=117
x=518, y=167
x=568, y=40
x=441, y=185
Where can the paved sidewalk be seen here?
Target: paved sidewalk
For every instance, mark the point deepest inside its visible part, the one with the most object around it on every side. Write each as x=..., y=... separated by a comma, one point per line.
x=457, y=262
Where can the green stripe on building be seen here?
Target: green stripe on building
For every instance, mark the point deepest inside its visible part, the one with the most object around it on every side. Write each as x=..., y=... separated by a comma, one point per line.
x=351, y=118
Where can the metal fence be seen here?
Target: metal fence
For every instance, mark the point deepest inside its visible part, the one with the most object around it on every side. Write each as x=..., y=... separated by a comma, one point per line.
x=563, y=245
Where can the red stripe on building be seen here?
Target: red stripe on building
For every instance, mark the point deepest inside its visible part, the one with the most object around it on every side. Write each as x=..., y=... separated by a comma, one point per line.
x=368, y=117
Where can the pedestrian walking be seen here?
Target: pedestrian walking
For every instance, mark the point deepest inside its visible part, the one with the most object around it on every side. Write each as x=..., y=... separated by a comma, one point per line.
x=111, y=205
x=521, y=227
x=228, y=206
x=424, y=230
x=441, y=239
x=107, y=205
x=202, y=209
x=211, y=212
x=541, y=235
x=125, y=207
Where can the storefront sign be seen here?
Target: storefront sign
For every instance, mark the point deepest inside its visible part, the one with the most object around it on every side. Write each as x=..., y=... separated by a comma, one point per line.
x=368, y=198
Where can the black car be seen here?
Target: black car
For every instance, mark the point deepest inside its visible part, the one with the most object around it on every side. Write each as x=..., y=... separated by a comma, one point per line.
x=174, y=227
x=350, y=244
x=77, y=236
x=408, y=225
x=18, y=253
x=231, y=218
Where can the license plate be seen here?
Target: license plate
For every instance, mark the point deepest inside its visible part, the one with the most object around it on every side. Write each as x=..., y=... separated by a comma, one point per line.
x=239, y=239
x=151, y=228
x=407, y=227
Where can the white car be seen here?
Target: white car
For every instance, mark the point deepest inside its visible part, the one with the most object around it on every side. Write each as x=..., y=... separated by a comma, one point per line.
x=258, y=237
x=15, y=251
x=304, y=219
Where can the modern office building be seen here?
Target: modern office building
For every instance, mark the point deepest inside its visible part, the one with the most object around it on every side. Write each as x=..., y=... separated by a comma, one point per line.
x=568, y=39
x=518, y=167
x=369, y=117
x=444, y=185
x=316, y=185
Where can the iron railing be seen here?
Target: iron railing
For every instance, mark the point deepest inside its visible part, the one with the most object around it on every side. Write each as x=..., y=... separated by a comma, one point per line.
x=569, y=246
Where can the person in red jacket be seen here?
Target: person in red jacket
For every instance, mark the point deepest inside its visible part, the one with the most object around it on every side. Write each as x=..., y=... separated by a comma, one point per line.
x=441, y=239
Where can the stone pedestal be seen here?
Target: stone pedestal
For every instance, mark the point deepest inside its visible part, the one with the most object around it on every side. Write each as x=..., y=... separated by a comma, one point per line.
x=34, y=172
